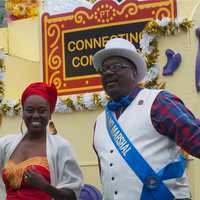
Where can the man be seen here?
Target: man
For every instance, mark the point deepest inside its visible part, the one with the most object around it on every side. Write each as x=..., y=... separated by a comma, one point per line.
x=138, y=137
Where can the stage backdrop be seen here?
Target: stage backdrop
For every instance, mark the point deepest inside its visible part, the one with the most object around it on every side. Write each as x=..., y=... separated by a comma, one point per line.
x=21, y=41
x=69, y=40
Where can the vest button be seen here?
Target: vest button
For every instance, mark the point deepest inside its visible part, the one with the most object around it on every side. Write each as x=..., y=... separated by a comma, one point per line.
x=111, y=164
x=116, y=192
x=113, y=178
x=140, y=102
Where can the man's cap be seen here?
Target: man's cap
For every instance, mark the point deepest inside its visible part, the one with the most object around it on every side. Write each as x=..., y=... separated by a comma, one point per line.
x=123, y=48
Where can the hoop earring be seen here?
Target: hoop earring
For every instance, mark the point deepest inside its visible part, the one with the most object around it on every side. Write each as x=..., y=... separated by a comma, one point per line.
x=51, y=128
x=21, y=126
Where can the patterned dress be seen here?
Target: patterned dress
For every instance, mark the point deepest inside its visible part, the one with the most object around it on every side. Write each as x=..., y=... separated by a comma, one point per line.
x=16, y=187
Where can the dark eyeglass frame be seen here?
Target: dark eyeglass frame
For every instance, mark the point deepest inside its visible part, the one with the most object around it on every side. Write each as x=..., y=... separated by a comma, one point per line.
x=114, y=68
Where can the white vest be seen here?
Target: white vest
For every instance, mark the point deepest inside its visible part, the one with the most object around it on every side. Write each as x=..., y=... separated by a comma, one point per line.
x=119, y=182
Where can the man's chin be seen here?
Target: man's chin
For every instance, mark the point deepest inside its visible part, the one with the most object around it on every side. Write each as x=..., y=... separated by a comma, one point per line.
x=113, y=93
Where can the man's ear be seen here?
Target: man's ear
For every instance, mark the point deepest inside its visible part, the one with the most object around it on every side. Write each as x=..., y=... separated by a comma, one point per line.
x=134, y=72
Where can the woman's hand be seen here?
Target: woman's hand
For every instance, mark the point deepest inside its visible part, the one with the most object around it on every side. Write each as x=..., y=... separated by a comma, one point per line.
x=34, y=179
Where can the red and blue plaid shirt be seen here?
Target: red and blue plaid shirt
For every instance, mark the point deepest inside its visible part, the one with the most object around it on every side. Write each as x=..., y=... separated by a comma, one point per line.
x=172, y=119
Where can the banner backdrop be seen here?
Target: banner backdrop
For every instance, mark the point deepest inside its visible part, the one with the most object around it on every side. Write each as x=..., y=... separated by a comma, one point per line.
x=69, y=40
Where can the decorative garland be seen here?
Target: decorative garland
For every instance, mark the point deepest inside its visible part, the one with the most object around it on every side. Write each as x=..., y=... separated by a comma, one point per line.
x=149, y=44
x=18, y=9
x=92, y=1
x=91, y=101
x=2, y=70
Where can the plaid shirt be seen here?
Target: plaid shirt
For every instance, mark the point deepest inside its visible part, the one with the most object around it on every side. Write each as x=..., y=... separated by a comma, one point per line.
x=171, y=118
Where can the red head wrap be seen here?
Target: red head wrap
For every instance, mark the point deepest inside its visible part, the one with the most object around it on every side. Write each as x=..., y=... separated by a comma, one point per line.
x=44, y=90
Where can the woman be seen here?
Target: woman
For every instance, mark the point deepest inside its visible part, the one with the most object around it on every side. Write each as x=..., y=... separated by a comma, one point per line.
x=37, y=165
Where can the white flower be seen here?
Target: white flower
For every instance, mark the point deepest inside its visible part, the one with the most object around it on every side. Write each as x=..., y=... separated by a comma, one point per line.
x=103, y=99
x=158, y=21
x=61, y=107
x=145, y=43
x=77, y=105
x=152, y=73
x=2, y=75
x=2, y=55
x=88, y=101
x=164, y=21
x=10, y=104
x=178, y=21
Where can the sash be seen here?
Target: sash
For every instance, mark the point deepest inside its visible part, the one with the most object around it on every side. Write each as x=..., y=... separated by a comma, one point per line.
x=153, y=186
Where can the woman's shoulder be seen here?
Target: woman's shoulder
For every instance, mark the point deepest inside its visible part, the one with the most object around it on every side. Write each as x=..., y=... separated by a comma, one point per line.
x=9, y=138
x=60, y=145
x=59, y=140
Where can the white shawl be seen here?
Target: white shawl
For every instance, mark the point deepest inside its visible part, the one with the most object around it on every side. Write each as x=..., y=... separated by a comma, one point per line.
x=64, y=169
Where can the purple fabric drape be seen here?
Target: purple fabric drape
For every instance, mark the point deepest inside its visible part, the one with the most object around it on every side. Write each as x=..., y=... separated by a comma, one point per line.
x=90, y=192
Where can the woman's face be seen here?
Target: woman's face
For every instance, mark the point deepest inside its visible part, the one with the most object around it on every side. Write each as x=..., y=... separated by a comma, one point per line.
x=36, y=114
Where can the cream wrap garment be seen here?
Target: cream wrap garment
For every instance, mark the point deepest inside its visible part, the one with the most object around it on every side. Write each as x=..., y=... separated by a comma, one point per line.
x=64, y=169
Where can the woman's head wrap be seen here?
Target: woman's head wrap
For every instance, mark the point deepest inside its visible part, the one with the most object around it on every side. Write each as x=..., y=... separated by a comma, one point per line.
x=44, y=90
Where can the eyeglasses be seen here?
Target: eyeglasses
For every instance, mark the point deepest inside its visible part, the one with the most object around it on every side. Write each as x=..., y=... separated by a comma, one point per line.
x=114, y=68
